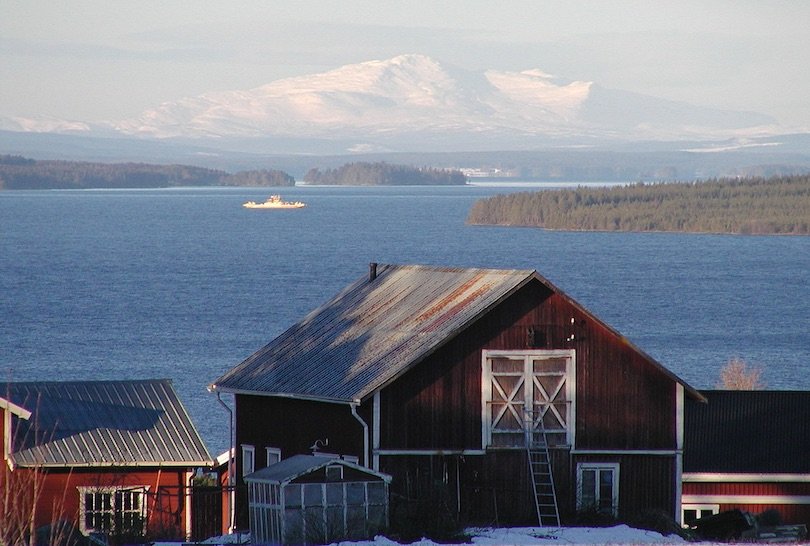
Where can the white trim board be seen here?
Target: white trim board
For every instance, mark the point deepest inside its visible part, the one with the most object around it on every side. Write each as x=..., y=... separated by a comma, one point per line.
x=431, y=452
x=710, y=477
x=645, y=452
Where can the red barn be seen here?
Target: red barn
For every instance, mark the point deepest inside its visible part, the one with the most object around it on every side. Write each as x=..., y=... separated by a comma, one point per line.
x=469, y=384
x=108, y=457
x=748, y=450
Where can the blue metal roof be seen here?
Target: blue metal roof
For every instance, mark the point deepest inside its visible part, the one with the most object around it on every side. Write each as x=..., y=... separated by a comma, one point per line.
x=104, y=423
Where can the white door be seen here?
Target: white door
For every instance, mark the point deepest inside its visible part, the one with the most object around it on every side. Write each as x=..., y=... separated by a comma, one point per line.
x=526, y=394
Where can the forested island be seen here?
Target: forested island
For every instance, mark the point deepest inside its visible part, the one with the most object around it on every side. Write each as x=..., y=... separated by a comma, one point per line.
x=20, y=173
x=384, y=174
x=778, y=205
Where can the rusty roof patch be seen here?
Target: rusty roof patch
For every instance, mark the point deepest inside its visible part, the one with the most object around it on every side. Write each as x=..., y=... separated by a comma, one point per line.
x=375, y=330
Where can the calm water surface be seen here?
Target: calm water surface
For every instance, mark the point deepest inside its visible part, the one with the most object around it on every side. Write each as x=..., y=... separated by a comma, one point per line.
x=185, y=283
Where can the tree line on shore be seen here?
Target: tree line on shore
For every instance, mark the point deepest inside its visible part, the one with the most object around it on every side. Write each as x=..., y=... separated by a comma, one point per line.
x=777, y=205
x=384, y=174
x=18, y=172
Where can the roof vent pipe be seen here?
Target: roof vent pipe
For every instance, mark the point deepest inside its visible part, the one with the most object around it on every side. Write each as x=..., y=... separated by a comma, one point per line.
x=372, y=271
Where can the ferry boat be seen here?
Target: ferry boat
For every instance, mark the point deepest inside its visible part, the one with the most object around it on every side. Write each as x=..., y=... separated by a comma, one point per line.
x=274, y=202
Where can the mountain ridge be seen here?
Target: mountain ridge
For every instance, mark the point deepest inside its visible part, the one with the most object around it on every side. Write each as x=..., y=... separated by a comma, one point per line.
x=415, y=93
x=412, y=101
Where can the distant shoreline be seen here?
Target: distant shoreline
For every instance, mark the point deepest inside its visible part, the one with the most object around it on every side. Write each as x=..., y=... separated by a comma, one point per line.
x=755, y=206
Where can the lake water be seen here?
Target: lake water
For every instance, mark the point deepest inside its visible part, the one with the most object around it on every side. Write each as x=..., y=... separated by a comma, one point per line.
x=185, y=283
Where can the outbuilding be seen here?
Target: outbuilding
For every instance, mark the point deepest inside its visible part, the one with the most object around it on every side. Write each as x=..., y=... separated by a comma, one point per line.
x=115, y=459
x=747, y=450
x=489, y=388
x=313, y=499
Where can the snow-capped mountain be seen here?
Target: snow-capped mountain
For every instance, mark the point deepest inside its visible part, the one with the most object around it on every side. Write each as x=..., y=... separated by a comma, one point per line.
x=42, y=124
x=416, y=95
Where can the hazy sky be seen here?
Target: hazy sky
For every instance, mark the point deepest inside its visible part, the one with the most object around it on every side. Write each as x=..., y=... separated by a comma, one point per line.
x=108, y=60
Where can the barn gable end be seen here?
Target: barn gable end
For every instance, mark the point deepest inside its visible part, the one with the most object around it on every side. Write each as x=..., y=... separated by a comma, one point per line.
x=442, y=377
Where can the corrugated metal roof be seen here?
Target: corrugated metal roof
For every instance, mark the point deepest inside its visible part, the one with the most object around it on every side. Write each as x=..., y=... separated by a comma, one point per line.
x=748, y=432
x=373, y=331
x=104, y=423
x=287, y=470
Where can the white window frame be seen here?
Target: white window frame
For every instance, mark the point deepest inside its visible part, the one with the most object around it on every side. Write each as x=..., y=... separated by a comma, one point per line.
x=248, y=454
x=614, y=468
x=141, y=490
x=486, y=387
x=334, y=472
x=714, y=508
x=273, y=455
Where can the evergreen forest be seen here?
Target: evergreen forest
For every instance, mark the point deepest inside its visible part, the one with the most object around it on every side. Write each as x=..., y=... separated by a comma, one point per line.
x=20, y=173
x=384, y=174
x=777, y=205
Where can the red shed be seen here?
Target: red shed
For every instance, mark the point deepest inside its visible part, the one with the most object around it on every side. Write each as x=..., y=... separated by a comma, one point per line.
x=475, y=382
x=748, y=450
x=110, y=457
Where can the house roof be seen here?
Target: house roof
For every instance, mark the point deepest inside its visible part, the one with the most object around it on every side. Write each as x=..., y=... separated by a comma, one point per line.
x=296, y=466
x=375, y=330
x=103, y=423
x=748, y=432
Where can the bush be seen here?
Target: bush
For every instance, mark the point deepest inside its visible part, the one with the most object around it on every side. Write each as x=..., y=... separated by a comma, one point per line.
x=658, y=521
x=593, y=517
x=769, y=518
x=427, y=517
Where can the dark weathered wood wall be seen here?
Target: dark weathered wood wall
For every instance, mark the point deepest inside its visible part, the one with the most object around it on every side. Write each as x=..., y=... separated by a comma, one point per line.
x=293, y=426
x=622, y=401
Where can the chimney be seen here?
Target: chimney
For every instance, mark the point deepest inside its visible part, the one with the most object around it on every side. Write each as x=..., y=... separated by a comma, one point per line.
x=372, y=271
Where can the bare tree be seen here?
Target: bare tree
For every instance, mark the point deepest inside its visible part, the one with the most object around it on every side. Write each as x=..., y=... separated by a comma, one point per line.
x=21, y=494
x=736, y=375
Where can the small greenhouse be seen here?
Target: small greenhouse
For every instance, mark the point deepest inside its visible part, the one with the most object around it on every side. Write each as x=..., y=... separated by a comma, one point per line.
x=313, y=499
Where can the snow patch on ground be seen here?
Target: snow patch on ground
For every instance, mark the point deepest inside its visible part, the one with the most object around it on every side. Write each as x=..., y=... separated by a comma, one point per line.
x=620, y=534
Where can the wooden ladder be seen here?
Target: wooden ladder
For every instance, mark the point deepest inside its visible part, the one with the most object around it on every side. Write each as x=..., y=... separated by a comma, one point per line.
x=545, y=494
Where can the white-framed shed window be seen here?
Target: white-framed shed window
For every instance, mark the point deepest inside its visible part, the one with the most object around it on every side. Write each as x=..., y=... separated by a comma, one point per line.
x=108, y=509
x=598, y=487
x=248, y=459
x=690, y=513
x=273, y=455
x=334, y=472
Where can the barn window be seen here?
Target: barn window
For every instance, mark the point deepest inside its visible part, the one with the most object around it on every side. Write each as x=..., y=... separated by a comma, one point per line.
x=528, y=398
x=248, y=459
x=598, y=487
x=112, y=509
x=690, y=513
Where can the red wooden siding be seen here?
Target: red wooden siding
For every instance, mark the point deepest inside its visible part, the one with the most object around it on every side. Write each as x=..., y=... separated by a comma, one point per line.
x=292, y=425
x=494, y=489
x=485, y=490
x=646, y=482
x=757, y=488
x=789, y=513
x=60, y=497
x=304, y=422
x=622, y=401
